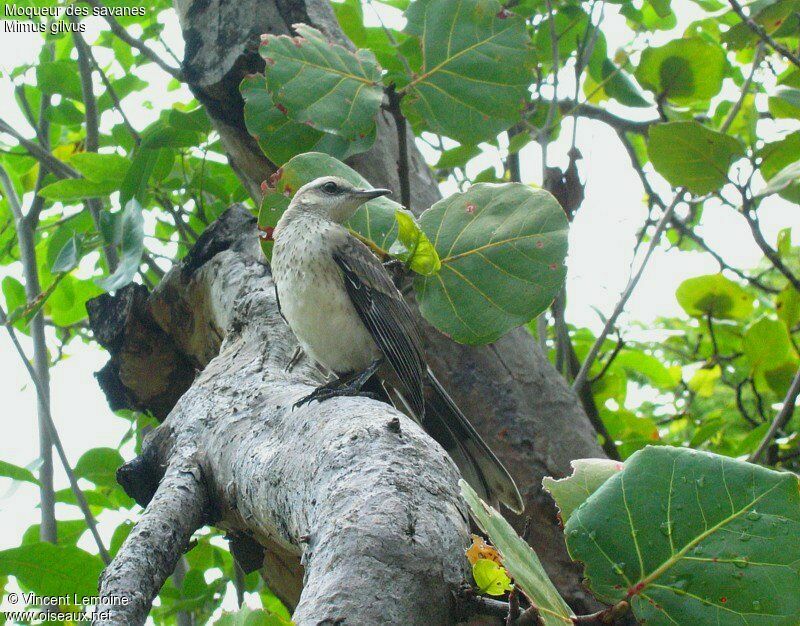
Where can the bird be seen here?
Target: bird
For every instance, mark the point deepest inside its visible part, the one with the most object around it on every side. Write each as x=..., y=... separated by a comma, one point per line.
x=348, y=316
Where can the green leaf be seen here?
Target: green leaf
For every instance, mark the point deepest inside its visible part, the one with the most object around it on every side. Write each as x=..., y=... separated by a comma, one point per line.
x=68, y=531
x=281, y=138
x=72, y=189
x=16, y=302
x=131, y=239
x=769, y=350
x=413, y=247
x=347, y=89
x=59, y=77
x=777, y=155
x=780, y=181
x=51, y=570
x=520, y=560
x=693, y=538
x=100, y=167
x=374, y=220
x=477, y=67
x=502, y=249
x=785, y=103
x=689, y=155
x=714, y=295
x=683, y=70
x=100, y=465
x=704, y=381
x=490, y=578
x=586, y=478
x=161, y=135
x=17, y=473
x=68, y=257
x=787, y=304
x=251, y=617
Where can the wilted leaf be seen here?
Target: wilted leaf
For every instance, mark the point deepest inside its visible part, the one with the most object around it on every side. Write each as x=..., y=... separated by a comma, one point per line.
x=689, y=155
x=502, y=249
x=572, y=491
x=690, y=538
x=476, y=68
x=482, y=550
x=519, y=560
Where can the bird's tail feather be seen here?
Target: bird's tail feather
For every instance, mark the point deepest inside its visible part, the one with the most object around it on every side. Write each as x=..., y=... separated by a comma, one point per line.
x=479, y=466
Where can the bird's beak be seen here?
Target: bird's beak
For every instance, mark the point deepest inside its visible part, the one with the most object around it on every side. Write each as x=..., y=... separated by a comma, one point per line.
x=369, y=194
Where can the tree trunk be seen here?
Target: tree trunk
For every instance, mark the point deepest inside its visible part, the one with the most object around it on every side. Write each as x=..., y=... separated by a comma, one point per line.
x=341, y=486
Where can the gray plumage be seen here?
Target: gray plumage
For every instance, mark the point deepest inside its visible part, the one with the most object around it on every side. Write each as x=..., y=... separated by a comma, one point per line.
x=347, y=313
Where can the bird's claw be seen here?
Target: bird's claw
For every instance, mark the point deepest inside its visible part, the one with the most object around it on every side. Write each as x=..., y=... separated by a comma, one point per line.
x=326, y=393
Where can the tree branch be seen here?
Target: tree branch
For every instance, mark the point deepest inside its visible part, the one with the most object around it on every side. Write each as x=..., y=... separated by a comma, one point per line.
x=781, y=419
x=582, y=376
x=769, y=252
x=764, y=35
x=135, y=43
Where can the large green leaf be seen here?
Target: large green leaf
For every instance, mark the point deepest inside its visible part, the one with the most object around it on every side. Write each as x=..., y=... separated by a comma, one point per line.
x=714, y=295
x=476, y=68
x=693, y=538
x=99, y=465
x=128, y=233
x=280, y=137
x=689, y=155
x=586, y=478
x=51, y=570
x=72, y=189
x=100, y=167
x=502, y=249
x=17, y=473
x=520, y=560
x=374, y=220
x=347, y=90
x=683, y=70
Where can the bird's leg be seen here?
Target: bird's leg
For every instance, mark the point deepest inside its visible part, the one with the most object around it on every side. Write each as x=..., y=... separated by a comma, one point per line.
x=350, y=385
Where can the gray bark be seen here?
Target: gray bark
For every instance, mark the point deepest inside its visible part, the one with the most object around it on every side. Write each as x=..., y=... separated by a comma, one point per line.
x=353, y=489
x=330, y=485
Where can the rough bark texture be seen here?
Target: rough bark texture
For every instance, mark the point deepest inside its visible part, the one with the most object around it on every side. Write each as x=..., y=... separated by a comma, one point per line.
x=337, y=485
x=330, y=483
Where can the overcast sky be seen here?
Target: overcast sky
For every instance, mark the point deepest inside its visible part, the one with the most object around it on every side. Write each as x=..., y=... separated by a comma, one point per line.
x=601, y=241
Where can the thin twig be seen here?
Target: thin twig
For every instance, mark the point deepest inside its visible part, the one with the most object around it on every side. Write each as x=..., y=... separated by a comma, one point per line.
x=745, y=90
x=73, y=481
x=544, y=136
x=764, y=35
x=781, y=419
x=92, y=134
x=582, y=376
x=402, y=146
x=772, y=255
x=58, y=167
x=133, y=42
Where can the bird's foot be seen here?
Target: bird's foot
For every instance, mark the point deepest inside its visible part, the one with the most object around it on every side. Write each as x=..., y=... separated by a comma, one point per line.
x=343, y=387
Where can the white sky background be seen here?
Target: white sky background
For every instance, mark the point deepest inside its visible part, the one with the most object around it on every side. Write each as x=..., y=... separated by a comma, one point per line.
x=601, y=242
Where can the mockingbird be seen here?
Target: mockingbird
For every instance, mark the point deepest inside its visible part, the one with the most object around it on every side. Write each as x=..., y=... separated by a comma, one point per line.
x=348, y=316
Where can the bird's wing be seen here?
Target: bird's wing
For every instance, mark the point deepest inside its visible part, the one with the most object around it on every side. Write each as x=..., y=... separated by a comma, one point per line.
x=385, y=314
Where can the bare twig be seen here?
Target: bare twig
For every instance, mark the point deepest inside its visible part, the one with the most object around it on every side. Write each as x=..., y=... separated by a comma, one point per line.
x=402, y=146
x=59, y=168
x=745, y=90
x=764, y=35
x=92, y=134
x=781, y=419
x=544, y=135
x=582, y=376
x=769, y=252
x=133, y=42
x=43, y=396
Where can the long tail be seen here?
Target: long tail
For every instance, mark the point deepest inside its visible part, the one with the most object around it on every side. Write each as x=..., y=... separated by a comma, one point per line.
x=445, y=422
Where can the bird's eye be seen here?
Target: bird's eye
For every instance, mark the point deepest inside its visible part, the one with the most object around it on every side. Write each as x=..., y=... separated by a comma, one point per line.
x=330, y=187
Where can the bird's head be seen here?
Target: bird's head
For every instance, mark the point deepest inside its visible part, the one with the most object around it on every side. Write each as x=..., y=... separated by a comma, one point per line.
x=333, y=198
